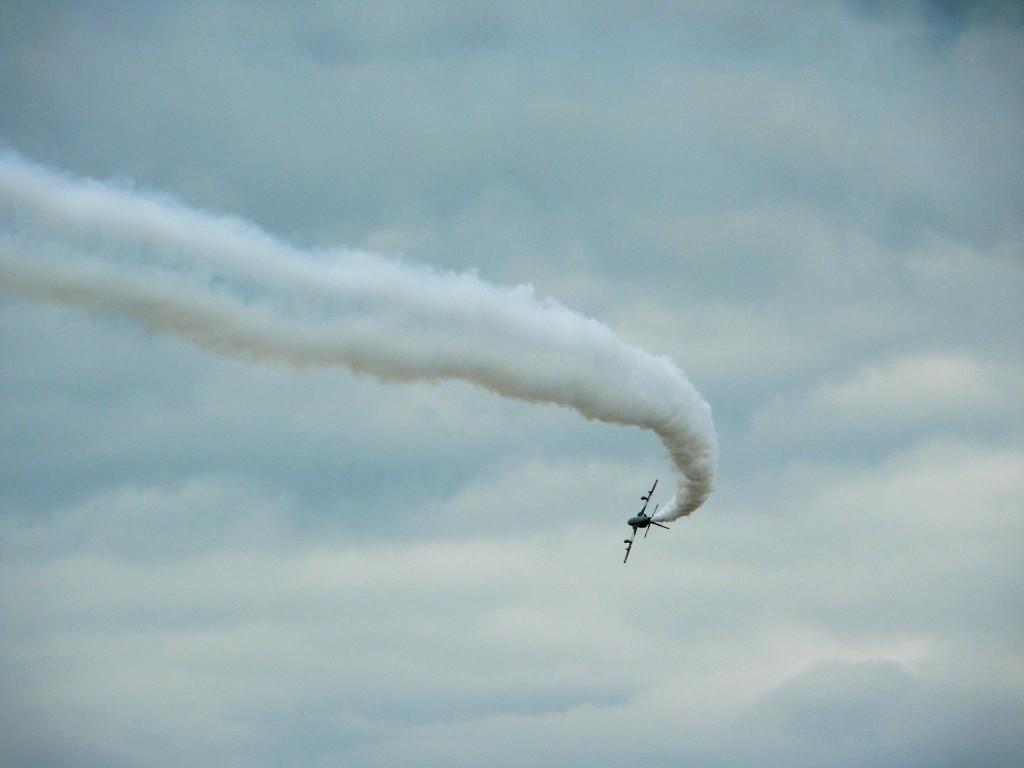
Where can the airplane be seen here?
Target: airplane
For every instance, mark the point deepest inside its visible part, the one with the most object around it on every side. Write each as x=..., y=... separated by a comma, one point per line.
x=642, y=520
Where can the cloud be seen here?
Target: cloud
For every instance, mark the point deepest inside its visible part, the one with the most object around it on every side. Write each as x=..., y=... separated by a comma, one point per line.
x=854, y=714
x=227, y=287
x=926, y=388
x=889, y=404
x=815, y=208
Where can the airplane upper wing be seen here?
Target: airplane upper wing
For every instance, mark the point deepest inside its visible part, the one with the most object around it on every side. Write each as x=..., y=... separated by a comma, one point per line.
x=647, y=499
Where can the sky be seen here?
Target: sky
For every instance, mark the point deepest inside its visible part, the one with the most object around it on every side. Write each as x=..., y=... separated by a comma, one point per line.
x=815, y=209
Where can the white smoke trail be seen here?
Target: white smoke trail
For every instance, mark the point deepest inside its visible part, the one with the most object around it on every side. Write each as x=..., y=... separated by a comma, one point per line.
x=231, y=288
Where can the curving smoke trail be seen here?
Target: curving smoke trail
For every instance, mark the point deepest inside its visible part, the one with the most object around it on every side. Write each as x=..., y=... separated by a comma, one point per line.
x=231, y=288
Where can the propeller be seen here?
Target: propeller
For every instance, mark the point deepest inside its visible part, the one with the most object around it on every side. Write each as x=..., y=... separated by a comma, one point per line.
x=648, y=528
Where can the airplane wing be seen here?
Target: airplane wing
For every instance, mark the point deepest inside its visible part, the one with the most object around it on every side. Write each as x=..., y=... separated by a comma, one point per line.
x=647, y=499
x=629, y=545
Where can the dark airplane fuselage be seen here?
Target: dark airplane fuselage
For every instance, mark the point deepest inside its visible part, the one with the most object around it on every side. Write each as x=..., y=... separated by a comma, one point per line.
x=640, y=521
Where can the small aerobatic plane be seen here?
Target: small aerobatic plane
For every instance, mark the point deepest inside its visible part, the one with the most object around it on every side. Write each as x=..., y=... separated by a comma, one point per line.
x=642, y=521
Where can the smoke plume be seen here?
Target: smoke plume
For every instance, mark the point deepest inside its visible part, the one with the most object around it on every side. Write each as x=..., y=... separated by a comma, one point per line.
x=231, y=288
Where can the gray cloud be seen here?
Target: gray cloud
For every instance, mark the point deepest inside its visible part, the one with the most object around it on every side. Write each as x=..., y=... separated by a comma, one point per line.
x=874, y=711
x=813, y=208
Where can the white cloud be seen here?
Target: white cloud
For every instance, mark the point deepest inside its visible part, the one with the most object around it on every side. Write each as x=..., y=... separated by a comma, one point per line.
x=815, y=209
x=924, y=387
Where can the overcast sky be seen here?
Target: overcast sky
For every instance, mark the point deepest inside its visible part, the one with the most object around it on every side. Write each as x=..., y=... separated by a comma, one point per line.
x=816, y=209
